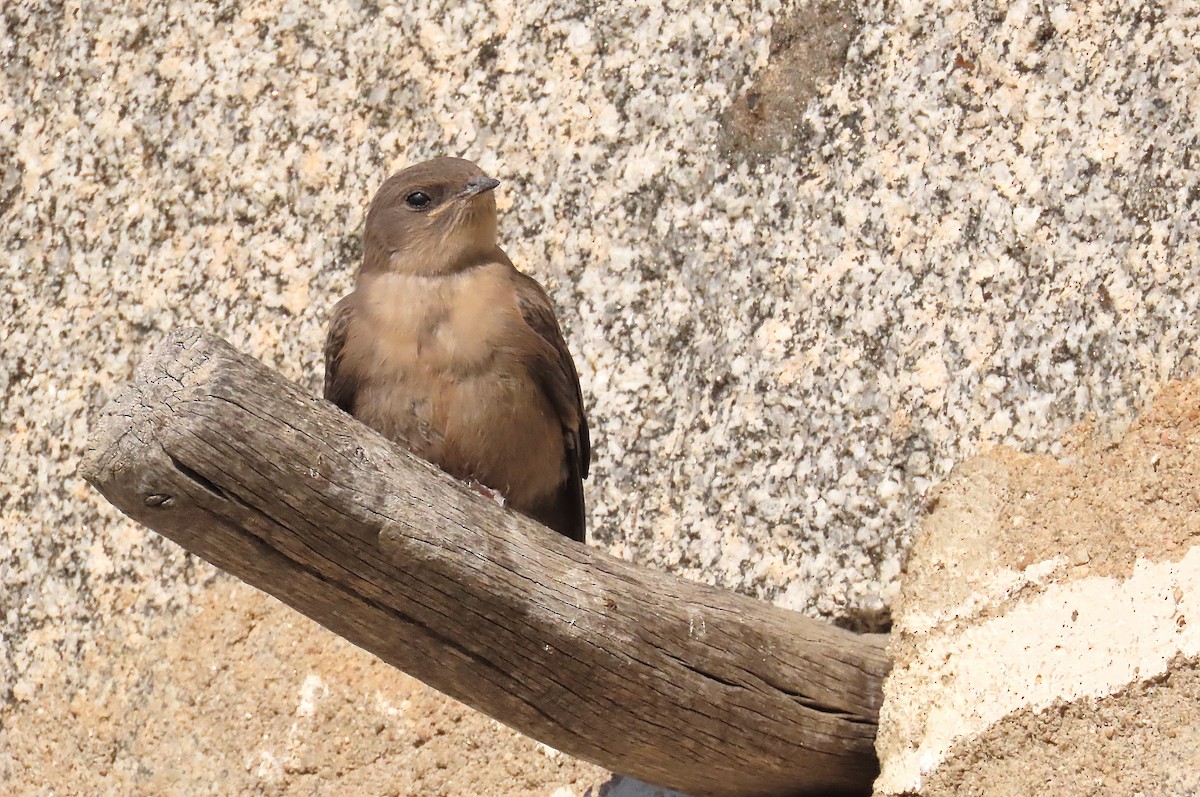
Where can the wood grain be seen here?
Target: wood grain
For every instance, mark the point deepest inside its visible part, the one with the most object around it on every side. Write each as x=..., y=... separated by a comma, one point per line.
x=677, y=683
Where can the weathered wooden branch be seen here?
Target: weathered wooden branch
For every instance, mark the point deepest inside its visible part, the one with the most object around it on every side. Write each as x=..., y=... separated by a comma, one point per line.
x=673, y=682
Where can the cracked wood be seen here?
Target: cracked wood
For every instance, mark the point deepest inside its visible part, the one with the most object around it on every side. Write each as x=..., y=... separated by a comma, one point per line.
x=677, y=683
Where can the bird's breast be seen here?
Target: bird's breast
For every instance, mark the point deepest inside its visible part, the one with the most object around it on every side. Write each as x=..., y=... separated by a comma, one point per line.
x=454, y=324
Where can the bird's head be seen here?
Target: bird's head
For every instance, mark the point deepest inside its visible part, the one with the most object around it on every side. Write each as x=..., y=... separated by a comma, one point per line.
x=437, y=217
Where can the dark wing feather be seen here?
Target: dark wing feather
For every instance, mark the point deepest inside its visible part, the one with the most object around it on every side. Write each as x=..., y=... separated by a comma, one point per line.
x=554, y=370
x=339, y=387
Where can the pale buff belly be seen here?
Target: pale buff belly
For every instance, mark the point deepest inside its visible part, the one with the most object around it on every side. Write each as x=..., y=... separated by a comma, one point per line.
x=495, y=428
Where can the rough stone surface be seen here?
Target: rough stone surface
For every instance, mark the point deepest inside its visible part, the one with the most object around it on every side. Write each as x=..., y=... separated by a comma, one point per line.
x=987, y=231
x=1046, y=636
x=808, y=50
x=1143, y=740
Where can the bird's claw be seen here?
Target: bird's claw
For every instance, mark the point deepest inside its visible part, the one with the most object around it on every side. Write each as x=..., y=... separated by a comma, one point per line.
x=488, y=492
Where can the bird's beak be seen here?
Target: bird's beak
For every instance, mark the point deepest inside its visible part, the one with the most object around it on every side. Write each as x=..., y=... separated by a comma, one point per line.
x=477, y=186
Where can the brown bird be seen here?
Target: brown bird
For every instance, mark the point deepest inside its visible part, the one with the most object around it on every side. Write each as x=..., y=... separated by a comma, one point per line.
x=445, y=347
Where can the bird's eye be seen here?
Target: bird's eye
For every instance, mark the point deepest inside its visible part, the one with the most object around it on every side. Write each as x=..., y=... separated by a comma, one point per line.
x=417, y=199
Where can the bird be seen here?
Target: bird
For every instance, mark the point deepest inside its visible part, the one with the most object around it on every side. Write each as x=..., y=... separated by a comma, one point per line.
x=445, y=347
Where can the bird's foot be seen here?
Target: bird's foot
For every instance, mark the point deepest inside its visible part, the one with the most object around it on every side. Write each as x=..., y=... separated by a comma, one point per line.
x=484, y=490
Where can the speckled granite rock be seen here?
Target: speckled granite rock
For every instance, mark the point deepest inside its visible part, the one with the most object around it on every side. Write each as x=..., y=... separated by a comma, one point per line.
x=982, y=230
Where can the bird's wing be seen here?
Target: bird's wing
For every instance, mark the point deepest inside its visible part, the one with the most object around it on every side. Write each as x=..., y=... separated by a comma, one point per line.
x=339, y=387
x=553, y=369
